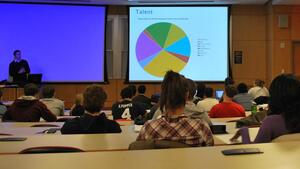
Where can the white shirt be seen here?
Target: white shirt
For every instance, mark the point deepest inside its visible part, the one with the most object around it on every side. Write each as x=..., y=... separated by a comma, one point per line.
x=256, y=92
x=56, y=106
x=207, y=104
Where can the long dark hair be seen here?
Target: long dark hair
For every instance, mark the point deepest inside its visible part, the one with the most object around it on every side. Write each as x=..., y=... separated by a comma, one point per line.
x=173, y=92
x=285, y=100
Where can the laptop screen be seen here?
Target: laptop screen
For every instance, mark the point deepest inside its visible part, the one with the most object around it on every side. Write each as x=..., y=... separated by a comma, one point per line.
x=219, y=94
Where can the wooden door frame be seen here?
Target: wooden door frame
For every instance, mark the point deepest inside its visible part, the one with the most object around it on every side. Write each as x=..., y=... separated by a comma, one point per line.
x=294, y=43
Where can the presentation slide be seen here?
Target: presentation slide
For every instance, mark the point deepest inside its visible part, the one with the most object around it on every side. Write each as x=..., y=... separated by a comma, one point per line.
x=190, y=40
x=64, y=43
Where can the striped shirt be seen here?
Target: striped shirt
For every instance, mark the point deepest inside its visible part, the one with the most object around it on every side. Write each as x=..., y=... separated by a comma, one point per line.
x=193, y=132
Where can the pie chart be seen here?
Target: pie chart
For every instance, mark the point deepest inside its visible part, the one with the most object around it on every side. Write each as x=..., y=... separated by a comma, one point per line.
x=162, y=47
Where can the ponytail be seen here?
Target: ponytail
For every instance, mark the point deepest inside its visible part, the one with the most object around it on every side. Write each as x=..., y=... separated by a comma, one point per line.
x=173, y=92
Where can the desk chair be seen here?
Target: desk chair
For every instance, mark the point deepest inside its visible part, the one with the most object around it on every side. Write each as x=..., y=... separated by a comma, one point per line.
x=50, y=149
x=44, y=125
x=156, y=144
x=64, y=119
x=5, y=134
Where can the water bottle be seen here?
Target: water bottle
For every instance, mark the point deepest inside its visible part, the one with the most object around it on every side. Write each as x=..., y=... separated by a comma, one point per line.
x=253, y=109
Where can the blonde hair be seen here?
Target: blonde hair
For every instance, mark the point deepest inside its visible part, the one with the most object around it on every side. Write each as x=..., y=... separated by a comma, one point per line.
x=79, y=99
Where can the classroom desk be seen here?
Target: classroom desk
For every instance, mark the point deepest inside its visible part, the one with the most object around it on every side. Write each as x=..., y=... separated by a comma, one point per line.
x=8, y=103
x=29, y=131
x=229, y=119
x=91, y=142
x=27, y=124
x=276, y=156
x=60, y=124
x=86, y=142
x=24, y=131
x=223, y=139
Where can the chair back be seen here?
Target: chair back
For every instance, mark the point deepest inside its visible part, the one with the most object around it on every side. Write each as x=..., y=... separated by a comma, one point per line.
x=50, y=149
x=156, y=144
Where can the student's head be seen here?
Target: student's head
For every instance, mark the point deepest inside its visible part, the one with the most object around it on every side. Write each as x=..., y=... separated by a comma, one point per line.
x=126, y=93
x=79, y=99
x=191, y=88
x=242, y=88
x=133, y=89
x=31, y=89
x=142, y=89
x=285, y=100
x=259, y=83
x=93, y=98
x=230, y=91
x=209, y=92
x=47, y=92
x=200, y=90
x=228, y=81
x=173, y=92
x=17, y=54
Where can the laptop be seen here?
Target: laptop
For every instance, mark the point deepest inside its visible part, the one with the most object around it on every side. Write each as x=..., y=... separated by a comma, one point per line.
x=219, y=94
x=34, y=78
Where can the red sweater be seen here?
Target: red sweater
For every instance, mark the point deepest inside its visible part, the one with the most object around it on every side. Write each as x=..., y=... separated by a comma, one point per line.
x=227, y=109
x=28, y=111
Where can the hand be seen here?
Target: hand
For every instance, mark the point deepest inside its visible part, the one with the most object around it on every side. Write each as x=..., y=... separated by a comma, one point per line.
x=22, y=70
x=236, y=136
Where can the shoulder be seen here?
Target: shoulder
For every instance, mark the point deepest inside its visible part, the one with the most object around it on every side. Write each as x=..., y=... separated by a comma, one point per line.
x=58, y=101
x=218, y=106
x=195, y=123
x=115, y=104
x=252, y=89
x=273, y=119
x=71, y=126
x=237, y=96
x=75, y=120
x=155, y=123
x=233, y=104
x=40, y=104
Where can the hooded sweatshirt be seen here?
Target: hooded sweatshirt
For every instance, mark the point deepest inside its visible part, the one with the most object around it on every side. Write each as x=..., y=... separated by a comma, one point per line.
x=88, y=124
x=28, y=109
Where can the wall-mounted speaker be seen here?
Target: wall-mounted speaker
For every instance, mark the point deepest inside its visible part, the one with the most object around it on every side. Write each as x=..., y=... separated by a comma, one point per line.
x=283, y=21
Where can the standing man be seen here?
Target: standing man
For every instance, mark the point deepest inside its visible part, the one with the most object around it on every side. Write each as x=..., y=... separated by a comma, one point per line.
x=19, y=68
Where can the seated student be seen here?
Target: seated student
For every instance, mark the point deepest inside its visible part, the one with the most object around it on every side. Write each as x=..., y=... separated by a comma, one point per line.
x=92, y=121
x=141, y=98
x=28, y=108
x=77, y=109
x=284, y=111
x=243, y=97
x=227, y=108
x=191, y=109
x=125, y=108
x=208, y=102
x=55, y=105
x=228, y=81
x=2, y=106
x=174, y=125
x=258, y=89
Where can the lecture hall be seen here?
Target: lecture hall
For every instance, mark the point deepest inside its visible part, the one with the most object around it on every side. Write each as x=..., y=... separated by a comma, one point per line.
x=116, y=84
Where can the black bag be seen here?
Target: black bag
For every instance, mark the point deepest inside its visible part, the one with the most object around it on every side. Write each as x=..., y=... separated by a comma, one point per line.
x=252, y=120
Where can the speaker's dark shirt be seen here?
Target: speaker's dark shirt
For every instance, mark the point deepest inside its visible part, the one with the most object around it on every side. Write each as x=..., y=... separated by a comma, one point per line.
x=15, y=67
